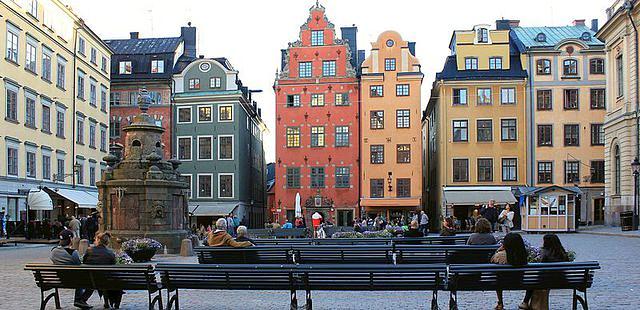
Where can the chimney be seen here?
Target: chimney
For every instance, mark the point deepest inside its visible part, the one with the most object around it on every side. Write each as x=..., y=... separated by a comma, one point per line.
x=502, y=24
x=578, y=22
x=412, y=48
x=134, y=35
x=514, y=23
x=283, y=58
x=594, y=25
x=188, y=34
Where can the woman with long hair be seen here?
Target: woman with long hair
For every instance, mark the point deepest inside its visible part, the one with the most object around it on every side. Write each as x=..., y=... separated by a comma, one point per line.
x=512, y=252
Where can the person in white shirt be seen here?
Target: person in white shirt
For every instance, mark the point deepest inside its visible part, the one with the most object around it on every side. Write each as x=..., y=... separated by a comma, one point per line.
x=506, y=219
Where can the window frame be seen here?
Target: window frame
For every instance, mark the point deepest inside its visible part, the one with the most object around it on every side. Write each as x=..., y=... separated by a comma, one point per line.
x=293, y=177
x=481, y=93
x=210, y=107
x=158, y=65
x=318, y=138
x=376, y=119
x=340, y=140
x=376, y=188
x=542, y=130
x=567, y=178
x=403, y=190
x=598, y=95
x=233, y=148
x=293, y=101
x=594, y=172
x=198, y=148
x=506, y=176
x=543, y=66
x=511, y=91
x=459, y=97
x=596, y=66
x=595, y=141
x=403, y=153
x=315, y=38
x=376, y=91
x=546, y=173
x=503, y=127
x=210, y=175
x=495, y=63
x=190, y=114
x=541, y=96
x=568, y=96
x=215, y=82
x=480, y=169
x=390, y=64
x=342, y=173
x=328, y=68
x=194, y=83
x=573, y=135
x=305, y=67
x=453, y=170
x=479, y=128
x=456, y=124
x=471, y=63
x=317, y=100
x=125, y=67
x=376, y=156
x=293, y=137
x=619, y=76
x=317, y=177
x=402, y=90
x=233, y=187
x=225, y=120
x=403, y=118
x=570, y=67
x=190, y=153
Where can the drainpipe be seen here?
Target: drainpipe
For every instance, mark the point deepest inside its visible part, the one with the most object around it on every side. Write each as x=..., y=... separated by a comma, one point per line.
x=74, y=83
x=531, y=146
x=629, y=8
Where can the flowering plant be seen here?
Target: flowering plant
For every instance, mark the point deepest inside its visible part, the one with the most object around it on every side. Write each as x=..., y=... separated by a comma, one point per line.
x=141, y=244
x=122, y=258
x=378, y=234
x=347, y=235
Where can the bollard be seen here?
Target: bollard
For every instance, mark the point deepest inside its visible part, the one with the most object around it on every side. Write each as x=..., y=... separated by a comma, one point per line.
x=83, y=246
x=75, y=242
x=186, y=248
x=195, y=241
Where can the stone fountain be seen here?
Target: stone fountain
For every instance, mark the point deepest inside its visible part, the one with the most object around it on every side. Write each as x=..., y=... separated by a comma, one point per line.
x=141, y=195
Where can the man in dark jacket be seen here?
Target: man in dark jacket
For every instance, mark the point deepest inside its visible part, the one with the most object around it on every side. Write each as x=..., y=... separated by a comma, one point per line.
x=63, y=254
x=100, y=254
x=491, y=214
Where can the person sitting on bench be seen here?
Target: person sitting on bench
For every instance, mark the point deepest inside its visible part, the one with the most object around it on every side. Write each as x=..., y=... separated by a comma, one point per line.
x=220, y=237
x=243, y=235
x=64, y=254
x=413, y=231
x=512, y=252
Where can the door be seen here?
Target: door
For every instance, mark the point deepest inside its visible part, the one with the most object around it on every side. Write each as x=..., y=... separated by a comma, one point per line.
x=598, y=211
x=345, y=217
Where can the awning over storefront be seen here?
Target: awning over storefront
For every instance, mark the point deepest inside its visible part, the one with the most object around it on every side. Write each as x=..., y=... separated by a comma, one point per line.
x=478, y=195
x=211, y=208
x=39, y=200
x=84, y=199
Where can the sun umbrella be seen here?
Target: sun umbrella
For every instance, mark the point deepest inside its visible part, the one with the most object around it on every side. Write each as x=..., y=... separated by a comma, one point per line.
x=298, y=207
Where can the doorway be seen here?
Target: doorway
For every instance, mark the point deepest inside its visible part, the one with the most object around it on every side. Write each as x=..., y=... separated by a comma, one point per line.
x=598, y=211
x=345, y=217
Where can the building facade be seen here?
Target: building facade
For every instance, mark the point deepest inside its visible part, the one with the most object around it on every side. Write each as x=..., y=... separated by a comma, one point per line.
x=621, y=121
x=565, y=122
x=218, y=139
x=55, y=94
x=147, y=63
x=391, y=141
x=476, y=125
x=317, y=123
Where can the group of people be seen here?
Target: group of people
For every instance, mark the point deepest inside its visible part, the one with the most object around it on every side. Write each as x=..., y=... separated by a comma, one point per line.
x=221, y=237
x=380, y=223
x=232, y=220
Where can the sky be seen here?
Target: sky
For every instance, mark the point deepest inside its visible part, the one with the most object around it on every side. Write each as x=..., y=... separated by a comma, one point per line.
x=250, y=33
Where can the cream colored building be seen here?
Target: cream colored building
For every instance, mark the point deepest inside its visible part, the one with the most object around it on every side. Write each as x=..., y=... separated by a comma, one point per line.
x=391, y=142
x=55, y=86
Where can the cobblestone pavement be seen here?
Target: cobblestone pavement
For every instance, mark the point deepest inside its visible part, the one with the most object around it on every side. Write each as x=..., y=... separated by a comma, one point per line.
x=616, y=286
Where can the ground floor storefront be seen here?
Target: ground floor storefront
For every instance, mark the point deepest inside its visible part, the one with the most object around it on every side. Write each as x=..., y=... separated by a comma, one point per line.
x=205, y=213
x=465, y=203
x=395, y=211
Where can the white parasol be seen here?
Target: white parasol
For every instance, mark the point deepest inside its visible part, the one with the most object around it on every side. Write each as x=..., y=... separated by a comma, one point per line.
x=298, y=207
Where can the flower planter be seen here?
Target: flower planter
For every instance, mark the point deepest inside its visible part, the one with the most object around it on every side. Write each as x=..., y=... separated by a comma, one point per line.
x=142, y=255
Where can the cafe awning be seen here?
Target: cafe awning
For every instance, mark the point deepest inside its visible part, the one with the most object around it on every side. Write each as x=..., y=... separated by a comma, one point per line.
x=211, y=208
x=39, y=200
x=84, y=199
x=478, y=195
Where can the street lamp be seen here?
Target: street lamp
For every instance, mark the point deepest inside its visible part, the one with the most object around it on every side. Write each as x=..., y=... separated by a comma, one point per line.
x=635, y=165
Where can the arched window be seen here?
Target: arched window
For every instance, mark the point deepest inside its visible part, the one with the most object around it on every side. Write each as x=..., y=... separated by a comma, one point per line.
x=136, y=143
x=570, y=67
x=616, y=170
x=541, y=37
x=585, y=36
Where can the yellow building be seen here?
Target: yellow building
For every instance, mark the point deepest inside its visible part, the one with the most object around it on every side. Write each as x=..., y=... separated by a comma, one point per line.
x=391, y=141
x=476, y=126
x=566, y=111
x=55, y=86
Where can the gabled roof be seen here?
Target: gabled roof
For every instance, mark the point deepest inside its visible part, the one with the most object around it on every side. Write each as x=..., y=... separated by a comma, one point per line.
x=554, y=35
x=144, y=46
x=451, y=72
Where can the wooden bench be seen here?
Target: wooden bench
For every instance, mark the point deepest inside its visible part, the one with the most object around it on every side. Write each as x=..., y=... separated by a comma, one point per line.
x=443, y=240
x=577, y=276
x=332, y=254
x=122, y=277
x=290, y=233
x=449, y=254
x=307, y=277
x=249, y=255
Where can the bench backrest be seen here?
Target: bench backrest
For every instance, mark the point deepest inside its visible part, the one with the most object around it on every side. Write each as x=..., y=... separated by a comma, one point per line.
x=250, y=255
x=247, y=277
x=115, y=277
x=436, y=240
x=449, y=254
x=290, y=233
x=485, y=277
x=364, y=254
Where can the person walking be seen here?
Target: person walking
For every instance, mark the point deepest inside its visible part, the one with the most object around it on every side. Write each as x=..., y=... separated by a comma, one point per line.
x=424, y=223
x=506, y=219
x=3, y=225
x=100, y=254
x=74, y=225
x=491, y=214
x=512, y=252
x=64, y=254
x=230, y=227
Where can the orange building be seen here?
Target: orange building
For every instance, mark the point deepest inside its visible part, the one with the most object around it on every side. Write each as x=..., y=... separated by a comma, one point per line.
x=390, y=125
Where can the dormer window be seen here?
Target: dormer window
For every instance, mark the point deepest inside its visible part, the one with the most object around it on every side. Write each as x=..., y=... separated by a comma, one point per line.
x=317, y=38
x=157, y=66
x=483, y=35
x=541, y=37
x=125, y=67
x=585, y=36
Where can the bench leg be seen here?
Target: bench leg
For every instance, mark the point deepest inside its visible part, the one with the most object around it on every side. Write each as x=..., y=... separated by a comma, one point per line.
x=580, y=299
x=453, y=301
x=294, y=300
x=309, y=305
x=434, y=300
x=56, y=298
x=156, y=300
x=172, y=301
x=45, y=300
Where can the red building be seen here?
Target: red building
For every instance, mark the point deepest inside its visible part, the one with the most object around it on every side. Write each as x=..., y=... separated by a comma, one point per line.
x=317, y=126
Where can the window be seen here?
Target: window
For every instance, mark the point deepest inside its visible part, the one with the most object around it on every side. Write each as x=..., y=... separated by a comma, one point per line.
x=544, y=99
x=103, y=98
x=460, y=131
x=12, y=161
x=61, y=73
x=293, y=177
x=93, y=94
x=342, y=136
x=204, y=186
x=598, y=98
x=545, y=135
x=570, y=67
x=508, y=95
x=545, y=172
x=317, y=136
x=402, y=118
x=377, y=188
x=317, y=177
x=509, y=130
x=157, y=66
x=571, y=172
x=184, y=148
x=194, y=83
x=543, y=66
x=317, y=37
x=60, y=124
x=495, y=63
x=30, y=112
x=597, y=134
x=484, y=96
x=31, y=164
x=485, y=169
x=304, y=69
x=81, y=46
x=342, y=99
x=46, y=65
x=377, y=154
x=317, y=100
x=94, y=56
x=389, y=64
x=484, y=130
x=377, y=120
x=205, y=148
x=617, y=169
x=619, y=76
x=471, y=63
x=204, y=114
x=293, y=101
x=33, y=8
x=293, y=136
x=92, y=176
x=461, y=170
x=81, y=85
x=597, y=171
x=509, y=169
x=12, y=44
x=402, y=90
x=60, y=169
x=460, y=96
x=125, y=67
x=225, y=113
x=46, y=119
x=103, y=64
x=184, y=115
x=343, y=176
x=329, y=68
x=92, y=135
x=215, y=82
x=46, y=167
x=376, y=90
x=80, y=130
x=482, y=35
x=570, y=99
x=403, y=153
x=103, y=138
x=80, y=173
x=31, y=54
x=403, y=188
x=572, y=135
x=225, y=147
x=596, y=66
